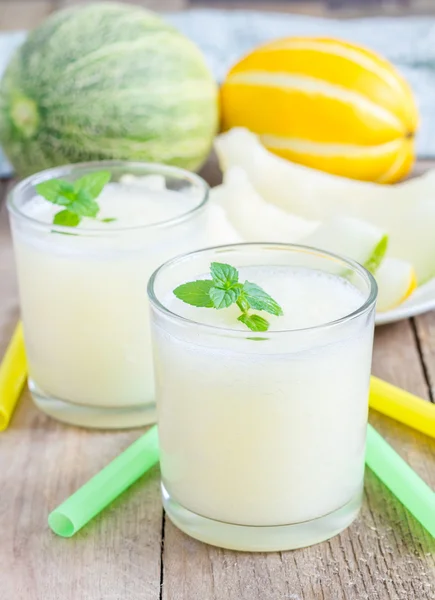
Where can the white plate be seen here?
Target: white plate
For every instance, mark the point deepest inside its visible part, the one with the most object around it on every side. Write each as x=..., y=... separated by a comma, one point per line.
x=421, y=301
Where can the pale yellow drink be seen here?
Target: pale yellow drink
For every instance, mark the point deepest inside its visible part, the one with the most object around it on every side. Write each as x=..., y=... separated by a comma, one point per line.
x=263, y=431
x=83, y=296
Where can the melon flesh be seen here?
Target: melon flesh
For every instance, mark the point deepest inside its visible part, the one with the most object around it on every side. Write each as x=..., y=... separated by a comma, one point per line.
x=220, y=230
x=351, y=238
x=255, y=219
x=396, y=282
x=405, y=210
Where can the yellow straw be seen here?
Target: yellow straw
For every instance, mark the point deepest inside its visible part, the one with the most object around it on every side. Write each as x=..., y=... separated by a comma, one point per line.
x=402, y=406
x=13, y=374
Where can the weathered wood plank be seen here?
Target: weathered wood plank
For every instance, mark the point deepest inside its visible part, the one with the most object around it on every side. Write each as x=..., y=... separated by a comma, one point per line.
x=158, y=5
x=41, y=463
x=24, y=14
x=384, y=555
x=425, y=328
x=331, y=8
x=211, y=171
x=308, y=7
x=8, y=287
x=405, y=368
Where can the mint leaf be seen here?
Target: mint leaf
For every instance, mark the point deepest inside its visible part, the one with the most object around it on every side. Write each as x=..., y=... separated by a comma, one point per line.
x=242, y=303
x=223, y=298
x=93, y=183
x=56, y=191
x=108, y=220
x=254, y=322
x=196, y=293
x=225, y=290
x=260, y=300
x=84, y=205
x=78, y=197
x=224, y=276
x=66, y=218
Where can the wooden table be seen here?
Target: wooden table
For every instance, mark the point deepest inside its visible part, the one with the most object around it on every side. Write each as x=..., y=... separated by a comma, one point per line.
x=131, y=552
x=26, y=14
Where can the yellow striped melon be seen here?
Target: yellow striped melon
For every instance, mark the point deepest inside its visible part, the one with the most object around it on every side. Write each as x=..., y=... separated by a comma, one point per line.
x=327, y=104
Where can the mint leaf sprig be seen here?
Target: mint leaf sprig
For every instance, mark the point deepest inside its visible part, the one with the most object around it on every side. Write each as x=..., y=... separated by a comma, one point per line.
x=224, y=289
x=78, y=198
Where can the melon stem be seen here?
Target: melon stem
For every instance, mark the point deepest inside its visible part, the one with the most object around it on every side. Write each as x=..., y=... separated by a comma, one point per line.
x=25, y=116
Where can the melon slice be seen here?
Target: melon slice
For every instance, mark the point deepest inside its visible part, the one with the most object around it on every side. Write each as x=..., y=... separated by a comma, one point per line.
x=396, y=281
x=255, y=219
x=423, y=294
x=219, y=228
x=406, y=210
x=352, y=238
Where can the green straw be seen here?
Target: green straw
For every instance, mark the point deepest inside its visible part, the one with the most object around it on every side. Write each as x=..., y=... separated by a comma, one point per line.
x=401, y=480
x=98, y=492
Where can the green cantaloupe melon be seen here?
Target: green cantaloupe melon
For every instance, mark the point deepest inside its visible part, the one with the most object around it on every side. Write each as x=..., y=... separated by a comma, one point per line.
x=107, y=81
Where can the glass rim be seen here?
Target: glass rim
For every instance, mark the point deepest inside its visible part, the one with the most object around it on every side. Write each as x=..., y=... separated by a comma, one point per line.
x=55, y=172
x=364, y=308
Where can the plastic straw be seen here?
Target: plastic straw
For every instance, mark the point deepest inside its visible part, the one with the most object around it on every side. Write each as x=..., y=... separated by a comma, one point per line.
x=13, y=374
x=402, y=406
x=401, y=480
x=103, y=488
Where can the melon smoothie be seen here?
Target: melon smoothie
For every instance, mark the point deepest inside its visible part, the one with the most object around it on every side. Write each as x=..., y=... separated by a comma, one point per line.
x=83, y=284
x=262, y=392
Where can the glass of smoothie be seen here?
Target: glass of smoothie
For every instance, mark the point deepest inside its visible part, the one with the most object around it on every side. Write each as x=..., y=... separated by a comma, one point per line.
x=262, y=427
x=83, y=287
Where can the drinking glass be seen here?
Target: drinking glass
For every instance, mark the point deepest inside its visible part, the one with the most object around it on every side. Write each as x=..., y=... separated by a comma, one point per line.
x=84, y=301
x=262, y=435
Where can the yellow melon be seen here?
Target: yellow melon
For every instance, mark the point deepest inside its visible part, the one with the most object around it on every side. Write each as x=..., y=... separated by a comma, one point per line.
x=327, y=104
